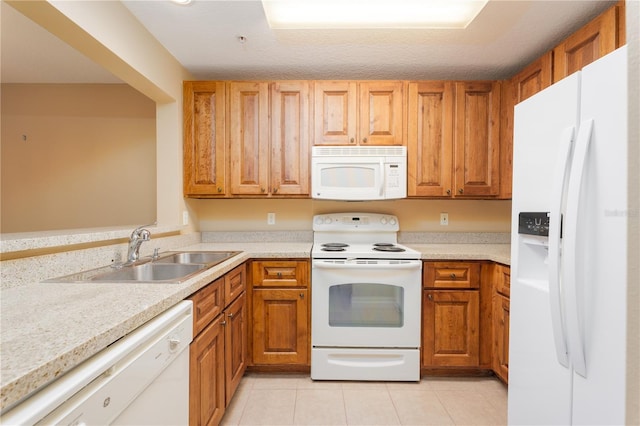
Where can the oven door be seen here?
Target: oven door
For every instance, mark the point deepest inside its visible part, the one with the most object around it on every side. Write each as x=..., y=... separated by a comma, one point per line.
x=366, y=303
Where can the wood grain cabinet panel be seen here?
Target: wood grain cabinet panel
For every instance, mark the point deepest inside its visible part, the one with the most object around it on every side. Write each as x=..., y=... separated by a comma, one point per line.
x=359, y=113
x=280, y=273
x=235, y=322
x=204, y=144
x=280, y=326
x=290, y=138
x=477, y=138
x=593, y=41
x=208, y=303
x=454, y=275
x=500, y=354
x=430, y=139
x=450, y=328
x=207, y=376
x=249, y=137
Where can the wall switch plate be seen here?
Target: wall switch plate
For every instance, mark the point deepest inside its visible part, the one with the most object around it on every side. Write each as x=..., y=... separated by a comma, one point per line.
x=271, y=218
x=444, y=219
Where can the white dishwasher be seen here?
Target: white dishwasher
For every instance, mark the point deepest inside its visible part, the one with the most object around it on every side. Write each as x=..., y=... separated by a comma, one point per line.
x=142, y=379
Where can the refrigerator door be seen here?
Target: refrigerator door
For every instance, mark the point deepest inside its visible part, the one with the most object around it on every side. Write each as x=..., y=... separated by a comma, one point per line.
x=599, y=396
x=539, y=386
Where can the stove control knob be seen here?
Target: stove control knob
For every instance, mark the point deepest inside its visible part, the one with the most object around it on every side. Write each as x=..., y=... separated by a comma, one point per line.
x=383, y=220
x=392, y=221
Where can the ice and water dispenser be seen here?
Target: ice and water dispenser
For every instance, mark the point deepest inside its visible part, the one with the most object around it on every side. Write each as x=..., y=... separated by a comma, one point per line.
x=533, y=246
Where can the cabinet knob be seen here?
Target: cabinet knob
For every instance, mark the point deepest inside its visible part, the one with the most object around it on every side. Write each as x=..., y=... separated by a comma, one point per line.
x=219, y=189
x=301, y=295
x=275, y=190
x=223, y=322
x=230, y=315
x=430, y=296
x=452, y=275
x=461, y=190
x=364, y=140
x=279, y=274
x=352, y=140
x=262, y=190
x=448, y=192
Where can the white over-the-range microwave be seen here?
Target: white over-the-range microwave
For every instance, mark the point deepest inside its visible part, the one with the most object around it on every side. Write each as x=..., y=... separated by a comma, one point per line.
x=359, y=173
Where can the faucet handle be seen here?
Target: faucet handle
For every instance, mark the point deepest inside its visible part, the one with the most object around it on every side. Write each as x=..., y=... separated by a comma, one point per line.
x=139, y=229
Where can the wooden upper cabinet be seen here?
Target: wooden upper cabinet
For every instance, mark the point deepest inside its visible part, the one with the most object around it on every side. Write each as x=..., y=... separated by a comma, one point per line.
x=593, y=41
x=359, y=113
x=381, y=113
x=204, y=138
x=335, y=109
x=536, y=77
x=290, y=134
x=477, y=139
x=249, y=138
x=430, y=139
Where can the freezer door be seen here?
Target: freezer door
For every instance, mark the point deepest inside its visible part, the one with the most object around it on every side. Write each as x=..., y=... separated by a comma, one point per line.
x=539, y=386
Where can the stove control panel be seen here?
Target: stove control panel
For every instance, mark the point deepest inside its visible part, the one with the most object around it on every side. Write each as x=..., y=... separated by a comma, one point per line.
x=363, y=221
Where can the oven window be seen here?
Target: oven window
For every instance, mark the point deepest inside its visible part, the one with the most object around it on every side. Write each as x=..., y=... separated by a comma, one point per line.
x=366, y=305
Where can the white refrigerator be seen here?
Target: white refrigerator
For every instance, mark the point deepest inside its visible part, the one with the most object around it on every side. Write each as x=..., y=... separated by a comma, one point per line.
x=567, y=348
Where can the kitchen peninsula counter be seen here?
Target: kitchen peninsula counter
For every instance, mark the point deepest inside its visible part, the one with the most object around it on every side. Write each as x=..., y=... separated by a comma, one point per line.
x=48, y=328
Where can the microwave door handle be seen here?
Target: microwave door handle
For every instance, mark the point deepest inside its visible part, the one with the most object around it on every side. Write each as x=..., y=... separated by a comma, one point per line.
x=382, y=175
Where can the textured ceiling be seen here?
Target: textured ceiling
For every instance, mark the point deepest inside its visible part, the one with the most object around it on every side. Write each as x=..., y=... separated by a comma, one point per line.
x=204, y=37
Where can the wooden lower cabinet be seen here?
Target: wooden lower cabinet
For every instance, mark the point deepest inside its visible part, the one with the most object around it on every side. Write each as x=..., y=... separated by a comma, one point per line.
x=280, y=311
x=206, y=375
x=280, y=326
x=501, y=337
x=218, y=353
x=450, y=328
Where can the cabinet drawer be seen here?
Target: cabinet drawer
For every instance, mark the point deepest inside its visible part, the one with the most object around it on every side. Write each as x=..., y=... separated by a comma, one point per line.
x=288, y=273
x=235, y=282
x=208, y=303
x=451, y=275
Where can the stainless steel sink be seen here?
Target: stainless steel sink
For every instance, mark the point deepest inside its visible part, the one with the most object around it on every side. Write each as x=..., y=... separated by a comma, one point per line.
x=151, y=272
x=208, y=258
x=169, y=268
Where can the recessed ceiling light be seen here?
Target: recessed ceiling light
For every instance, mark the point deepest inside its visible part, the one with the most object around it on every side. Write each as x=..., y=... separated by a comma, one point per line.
x=312, y=14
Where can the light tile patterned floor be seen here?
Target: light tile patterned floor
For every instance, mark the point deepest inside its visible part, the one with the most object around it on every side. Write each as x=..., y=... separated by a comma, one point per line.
x=266, y=399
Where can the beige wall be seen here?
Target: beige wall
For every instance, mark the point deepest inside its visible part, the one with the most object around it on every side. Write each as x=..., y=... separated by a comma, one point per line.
x=296, y=215
x=88, y=159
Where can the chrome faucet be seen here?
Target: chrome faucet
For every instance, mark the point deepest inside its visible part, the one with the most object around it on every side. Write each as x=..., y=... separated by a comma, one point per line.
x=138, y=236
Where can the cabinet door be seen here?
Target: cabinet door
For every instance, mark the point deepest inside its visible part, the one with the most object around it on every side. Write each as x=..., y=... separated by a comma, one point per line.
x=501, y=336
x=450, y=328
x=477, y=139
x=206, y=376
x=208, y=303
x=589, y=43
x=290, y=114
x=280, y=326
x=381, y=107
x=235, y=318
x=204, y=138
x=335, y=113
x=249, y=138
x=430, y=139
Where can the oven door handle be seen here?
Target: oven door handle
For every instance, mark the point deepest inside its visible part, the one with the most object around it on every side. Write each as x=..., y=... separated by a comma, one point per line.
x=354, y=264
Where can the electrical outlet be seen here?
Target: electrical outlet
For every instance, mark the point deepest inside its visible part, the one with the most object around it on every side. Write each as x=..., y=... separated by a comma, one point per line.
x=185, y=217
x=271, y=218
x=444, y=219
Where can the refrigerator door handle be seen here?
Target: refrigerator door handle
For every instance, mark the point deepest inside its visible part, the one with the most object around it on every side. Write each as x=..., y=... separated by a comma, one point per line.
x=555, y=226
x=572, y=276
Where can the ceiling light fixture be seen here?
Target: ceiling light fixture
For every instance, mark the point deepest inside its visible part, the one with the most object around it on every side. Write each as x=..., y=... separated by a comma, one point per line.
x=316, y=14
x=182, y=2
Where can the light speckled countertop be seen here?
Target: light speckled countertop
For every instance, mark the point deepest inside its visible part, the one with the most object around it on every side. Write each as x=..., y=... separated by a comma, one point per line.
x=49, y=328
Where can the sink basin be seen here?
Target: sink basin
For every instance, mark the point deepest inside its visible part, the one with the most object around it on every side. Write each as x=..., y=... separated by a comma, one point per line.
x=151, y=272
x=208, y=258
x=169, y=268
